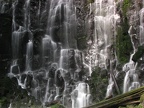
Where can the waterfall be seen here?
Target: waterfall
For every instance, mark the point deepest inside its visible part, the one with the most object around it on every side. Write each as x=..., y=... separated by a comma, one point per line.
x=131, y=80
x=81, y=96
x=29, y=55
x=63, y=69
x=104, y=24
x=3, y=6
x=46, y=60
x=142, y=25
x=130, y=69
x=102, y=50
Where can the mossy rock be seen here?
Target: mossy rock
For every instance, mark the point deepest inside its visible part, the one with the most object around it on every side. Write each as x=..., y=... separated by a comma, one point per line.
x=139, y=106
x=4, y=103
x=123, y=42
x=125, y=6
x=138, y=54
x=57, y=106
x=91, y=1
x=98, y=83
x=142, y=98
x=130, y=106
x=124, y=46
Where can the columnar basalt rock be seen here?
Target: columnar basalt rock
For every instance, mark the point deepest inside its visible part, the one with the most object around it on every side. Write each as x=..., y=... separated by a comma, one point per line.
x=55, y=47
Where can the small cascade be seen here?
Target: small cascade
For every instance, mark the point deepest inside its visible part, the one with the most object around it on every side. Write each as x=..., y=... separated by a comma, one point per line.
x=131, y=80
x=10, y=106
x=17, y=39
x=105, y=19
x=141, y=26
x=3, y=6
x=81, y=96
x=29, y=55
x=48, y=49
x=27, y=15
x=17, y=35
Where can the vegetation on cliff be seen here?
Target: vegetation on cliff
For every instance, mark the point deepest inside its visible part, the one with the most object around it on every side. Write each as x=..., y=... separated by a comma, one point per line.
x=123, y=42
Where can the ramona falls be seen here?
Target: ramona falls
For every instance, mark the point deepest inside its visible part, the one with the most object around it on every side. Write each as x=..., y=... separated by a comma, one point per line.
x=46, y=59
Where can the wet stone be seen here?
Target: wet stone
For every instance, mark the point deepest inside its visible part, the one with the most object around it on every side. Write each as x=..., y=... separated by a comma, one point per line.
x=59, y=79
x=66, y=75
x=15, y=69
x=23, y=78
x=52, y=70
x=29, y=80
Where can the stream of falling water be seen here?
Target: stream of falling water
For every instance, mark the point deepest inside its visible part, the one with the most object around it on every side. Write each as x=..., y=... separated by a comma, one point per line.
x=3, y=6
x=131, y=80
x=102, y=52
x=61, y=77
x=130, y=69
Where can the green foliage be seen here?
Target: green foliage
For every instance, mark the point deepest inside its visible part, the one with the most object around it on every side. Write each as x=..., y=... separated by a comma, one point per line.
x=98, y=84
x=123, y=42
x=125, y=6
x=91, y=1
x=142, y=98
x=3, y=102
x=132, y=106
x=57, y=106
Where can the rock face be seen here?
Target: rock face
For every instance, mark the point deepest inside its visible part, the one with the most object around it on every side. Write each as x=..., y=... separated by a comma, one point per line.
x=46, y=44
x=43, y=56
x=124, y=54
x=5, y=52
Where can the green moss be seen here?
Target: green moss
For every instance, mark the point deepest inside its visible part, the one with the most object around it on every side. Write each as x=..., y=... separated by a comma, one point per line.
x=142, y=98
x=138, y=54
x=125, y=6
x=90, y=1
x=3, y=102
x=139, y=106
x=98, y=84
x=57, y=106
x=132, y=106
x=123, y=43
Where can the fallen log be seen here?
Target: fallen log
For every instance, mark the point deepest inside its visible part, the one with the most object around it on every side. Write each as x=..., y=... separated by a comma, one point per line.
x=123, y=99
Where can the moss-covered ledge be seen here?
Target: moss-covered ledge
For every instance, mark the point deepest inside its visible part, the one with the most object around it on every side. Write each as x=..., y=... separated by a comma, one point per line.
x=132, y=97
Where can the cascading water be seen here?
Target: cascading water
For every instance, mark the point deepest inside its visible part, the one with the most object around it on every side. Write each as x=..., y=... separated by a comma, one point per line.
x=81, y=96
x=3, y=6
x=102, y=51
x=61, y=73
x=63, y=69
x=29, y=55
x=130, y=69
x=131, y=80
x=141, y=39
x=17, y=38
